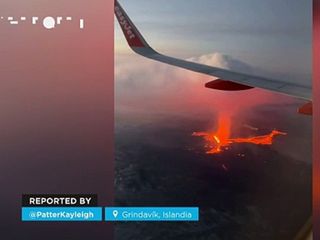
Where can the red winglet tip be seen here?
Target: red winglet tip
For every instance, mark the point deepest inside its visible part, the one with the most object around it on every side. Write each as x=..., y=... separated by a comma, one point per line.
x=130, y=32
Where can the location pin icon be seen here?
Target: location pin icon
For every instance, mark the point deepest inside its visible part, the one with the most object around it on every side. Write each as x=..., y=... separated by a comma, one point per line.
x=115, y=213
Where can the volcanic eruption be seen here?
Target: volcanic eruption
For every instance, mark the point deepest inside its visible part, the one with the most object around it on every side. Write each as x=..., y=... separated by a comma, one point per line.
x=219, y=140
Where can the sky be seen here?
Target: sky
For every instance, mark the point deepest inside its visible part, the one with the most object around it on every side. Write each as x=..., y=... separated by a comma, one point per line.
x=272, y=36
x=159, y=106
x=271, y=39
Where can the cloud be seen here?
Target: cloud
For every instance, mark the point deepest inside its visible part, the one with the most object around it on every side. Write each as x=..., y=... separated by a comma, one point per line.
x=148, y=92
x=223, y=61
x=156, y=87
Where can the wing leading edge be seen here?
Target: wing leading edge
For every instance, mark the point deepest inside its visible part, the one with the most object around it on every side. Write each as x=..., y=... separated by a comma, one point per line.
x=139, y=45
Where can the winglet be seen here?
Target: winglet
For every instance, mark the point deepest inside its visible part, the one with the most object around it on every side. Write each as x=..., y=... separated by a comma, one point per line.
x=236, y=80
x=133, y=36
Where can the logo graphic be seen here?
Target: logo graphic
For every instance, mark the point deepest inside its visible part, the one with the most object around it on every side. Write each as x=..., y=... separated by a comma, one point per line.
x=124, y=23
x=48, y=22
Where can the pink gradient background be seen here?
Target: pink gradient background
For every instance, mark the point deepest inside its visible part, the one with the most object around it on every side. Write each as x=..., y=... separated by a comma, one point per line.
x=56, y=112
x=316, y=119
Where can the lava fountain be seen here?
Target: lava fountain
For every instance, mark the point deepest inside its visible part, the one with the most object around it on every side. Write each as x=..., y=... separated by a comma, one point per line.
x=219, y=140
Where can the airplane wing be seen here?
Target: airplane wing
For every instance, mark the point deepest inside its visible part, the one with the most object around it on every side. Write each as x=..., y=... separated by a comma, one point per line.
x=227, y=80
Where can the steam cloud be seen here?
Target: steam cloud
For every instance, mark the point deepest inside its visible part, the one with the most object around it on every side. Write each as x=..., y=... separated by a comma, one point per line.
x=223, y=61
x=148, y=88
x=147, y=85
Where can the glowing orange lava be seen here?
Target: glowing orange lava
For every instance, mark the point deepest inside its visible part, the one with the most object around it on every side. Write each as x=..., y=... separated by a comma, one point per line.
x=219, y=140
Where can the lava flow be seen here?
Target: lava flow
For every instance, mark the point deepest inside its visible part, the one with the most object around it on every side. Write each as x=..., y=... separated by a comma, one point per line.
x=219, y=140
